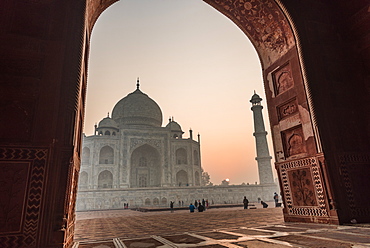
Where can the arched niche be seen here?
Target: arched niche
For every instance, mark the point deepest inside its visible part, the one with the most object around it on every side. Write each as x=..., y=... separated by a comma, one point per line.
x=164, y=201
x=196, y=157
x=182, y=178
x=85, y=155
x=106, y=155
x=197, y=178
x=145, y=167
x=181, y=156
x=105, y=179
x=84, y=180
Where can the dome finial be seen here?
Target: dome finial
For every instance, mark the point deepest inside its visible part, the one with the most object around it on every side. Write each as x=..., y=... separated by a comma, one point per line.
x=137, y=83
x=108, y=115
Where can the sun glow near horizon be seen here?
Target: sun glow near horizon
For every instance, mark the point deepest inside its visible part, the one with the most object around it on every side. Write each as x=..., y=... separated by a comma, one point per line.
x=195, y=63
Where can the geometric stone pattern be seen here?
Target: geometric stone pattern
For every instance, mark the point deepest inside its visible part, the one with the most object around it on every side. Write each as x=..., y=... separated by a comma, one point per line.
x=352, y=167
x=37, y=159
x=295, y=187
x=227, y=227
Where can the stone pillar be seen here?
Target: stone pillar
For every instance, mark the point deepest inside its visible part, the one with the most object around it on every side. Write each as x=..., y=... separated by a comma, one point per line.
x=263, y=157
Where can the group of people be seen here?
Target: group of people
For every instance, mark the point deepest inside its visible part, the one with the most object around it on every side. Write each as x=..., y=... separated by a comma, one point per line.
x=264, y=204
x=201, y=206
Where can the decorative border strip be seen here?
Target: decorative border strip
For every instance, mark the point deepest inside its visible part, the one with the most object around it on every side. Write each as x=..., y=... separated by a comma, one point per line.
x=38, y=160
x=345, y=161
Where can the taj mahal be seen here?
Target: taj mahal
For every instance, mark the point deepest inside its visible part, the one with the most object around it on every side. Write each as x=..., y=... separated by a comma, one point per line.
x=131, y=159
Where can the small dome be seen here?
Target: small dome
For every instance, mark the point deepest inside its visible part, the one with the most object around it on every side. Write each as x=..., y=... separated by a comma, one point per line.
x=108, y=122
x=256, y=98
x=137, y=109
x=174, y=126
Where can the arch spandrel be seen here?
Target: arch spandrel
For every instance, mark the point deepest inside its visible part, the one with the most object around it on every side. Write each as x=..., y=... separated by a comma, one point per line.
x=263, y=22
x=94, y=8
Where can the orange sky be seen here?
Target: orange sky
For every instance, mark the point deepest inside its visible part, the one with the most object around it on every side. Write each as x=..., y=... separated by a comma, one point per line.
x=195, y=63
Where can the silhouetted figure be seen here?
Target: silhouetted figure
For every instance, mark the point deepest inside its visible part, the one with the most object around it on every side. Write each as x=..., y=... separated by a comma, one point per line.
x=245, y=202
x=191, y=208
x=204, y=204
x=171, y=206
x=200, y=208
x=264, y=204
x=196, y=203
x=276, y=199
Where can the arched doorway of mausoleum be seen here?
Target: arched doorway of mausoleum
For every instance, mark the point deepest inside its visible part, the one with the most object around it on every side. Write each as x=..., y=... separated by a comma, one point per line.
x=145, y=167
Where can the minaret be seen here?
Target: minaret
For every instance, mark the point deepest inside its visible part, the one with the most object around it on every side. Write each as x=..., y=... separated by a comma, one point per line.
x=263, y=157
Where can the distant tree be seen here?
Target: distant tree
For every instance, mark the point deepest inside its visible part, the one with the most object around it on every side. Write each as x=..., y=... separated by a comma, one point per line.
x=225, y=182
x=206, y=179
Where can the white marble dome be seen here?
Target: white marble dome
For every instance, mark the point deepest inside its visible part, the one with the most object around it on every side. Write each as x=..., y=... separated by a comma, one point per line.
x=173, y=125
x=137, y=109
x=108, y=122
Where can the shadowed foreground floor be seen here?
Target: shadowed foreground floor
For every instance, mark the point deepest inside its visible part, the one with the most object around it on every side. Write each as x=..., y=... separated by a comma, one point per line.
x=231, y=227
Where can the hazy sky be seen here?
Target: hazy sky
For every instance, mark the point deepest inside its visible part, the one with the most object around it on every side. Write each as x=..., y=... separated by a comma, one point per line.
x=195, y=63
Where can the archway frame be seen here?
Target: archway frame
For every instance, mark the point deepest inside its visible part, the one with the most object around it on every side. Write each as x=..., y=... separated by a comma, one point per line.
x=272, y=31
x=45, y=69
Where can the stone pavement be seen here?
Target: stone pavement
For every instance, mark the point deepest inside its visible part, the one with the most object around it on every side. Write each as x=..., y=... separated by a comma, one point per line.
x=214, y=228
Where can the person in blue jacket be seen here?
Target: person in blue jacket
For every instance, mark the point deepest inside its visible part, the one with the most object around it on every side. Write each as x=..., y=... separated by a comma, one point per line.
x=191, y=208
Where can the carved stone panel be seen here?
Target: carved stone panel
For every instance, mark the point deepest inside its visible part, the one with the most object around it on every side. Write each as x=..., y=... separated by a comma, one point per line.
x=302, y=186
x=282, y=79
x=263, y=22
x=293, y=141
x=288, y=109
x=303, y=192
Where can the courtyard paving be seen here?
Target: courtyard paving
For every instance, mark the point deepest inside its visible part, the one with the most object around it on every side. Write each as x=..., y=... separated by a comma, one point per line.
x=214, y=228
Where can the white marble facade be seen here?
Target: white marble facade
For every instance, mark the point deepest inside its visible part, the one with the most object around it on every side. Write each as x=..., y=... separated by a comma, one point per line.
x=132, y=159
x=131, y=149
x=161, y=197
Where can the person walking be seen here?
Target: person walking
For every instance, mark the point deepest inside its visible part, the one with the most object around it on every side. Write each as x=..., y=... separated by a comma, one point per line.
x=200, y=208
x=245, y=202
x=196, y=203
x=171, y=206
x=191, y=208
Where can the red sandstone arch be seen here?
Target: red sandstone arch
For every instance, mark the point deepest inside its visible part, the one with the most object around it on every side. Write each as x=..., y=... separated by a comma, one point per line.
x=43, y=68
